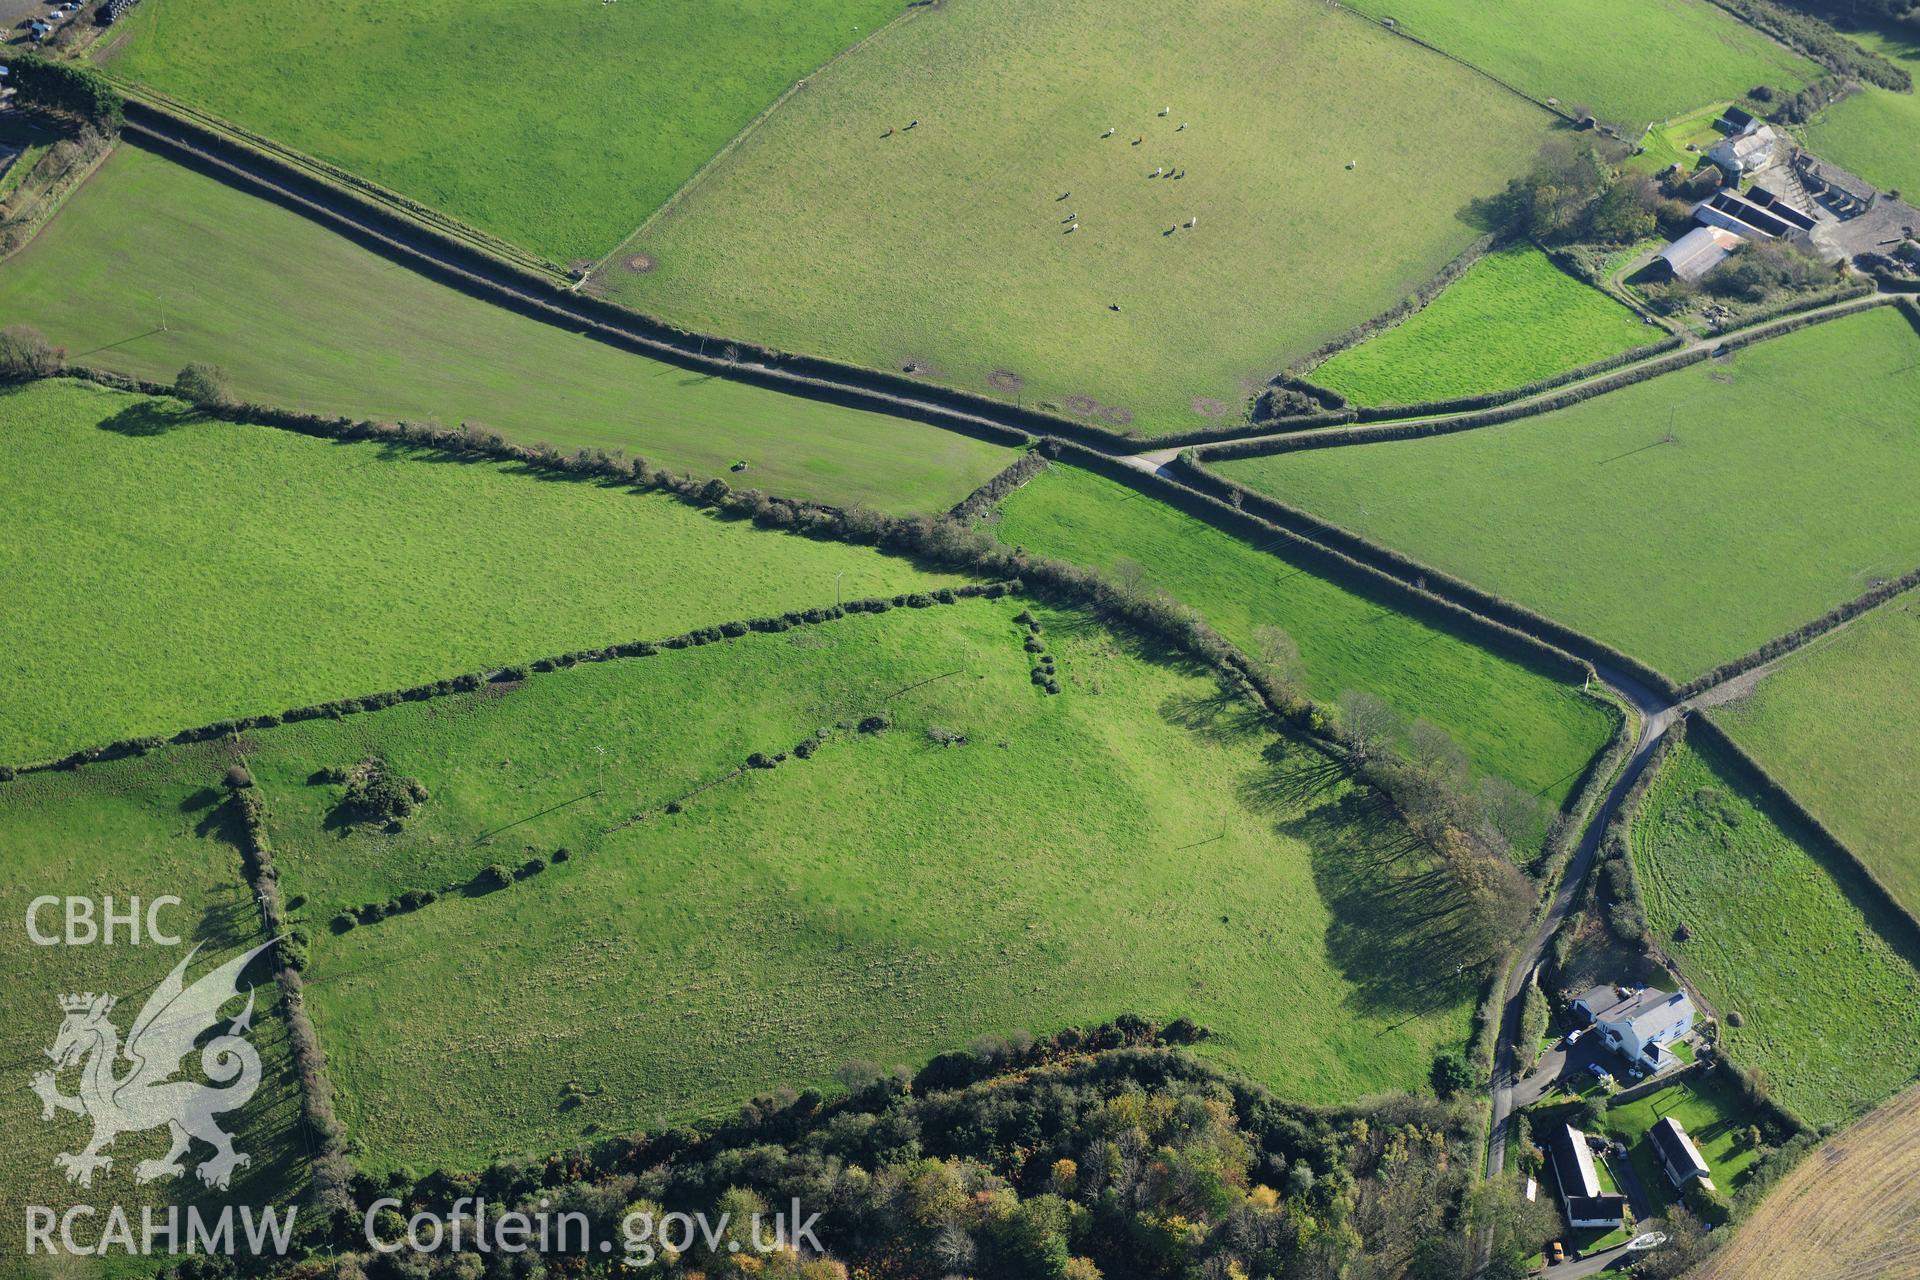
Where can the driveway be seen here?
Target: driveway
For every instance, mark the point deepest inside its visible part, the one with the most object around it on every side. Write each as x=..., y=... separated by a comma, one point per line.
x=1562, y=1063
x=1591, y=1265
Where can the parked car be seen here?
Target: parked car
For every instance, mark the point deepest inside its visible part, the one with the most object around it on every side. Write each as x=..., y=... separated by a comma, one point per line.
x=1556, y=1253
x=1573, y=1036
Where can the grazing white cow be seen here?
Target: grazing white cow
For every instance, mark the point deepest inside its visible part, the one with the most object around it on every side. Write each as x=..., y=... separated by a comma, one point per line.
x=1166, y=111
x=1070, y=230
x=1107, y=134
x=1192, y=223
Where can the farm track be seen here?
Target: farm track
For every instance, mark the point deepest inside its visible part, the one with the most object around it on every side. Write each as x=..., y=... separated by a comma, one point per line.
x=1846, y=1212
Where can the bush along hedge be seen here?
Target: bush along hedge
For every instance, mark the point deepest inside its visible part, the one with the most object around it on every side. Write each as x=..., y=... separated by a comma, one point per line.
x=330, y=1170
x=1043, y=673
x=1005, y=481
x=1298, y=402
x=1616, y=886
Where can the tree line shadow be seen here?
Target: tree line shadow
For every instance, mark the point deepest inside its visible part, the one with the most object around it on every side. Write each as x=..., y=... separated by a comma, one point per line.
x=1399, y=932
x=149, y=417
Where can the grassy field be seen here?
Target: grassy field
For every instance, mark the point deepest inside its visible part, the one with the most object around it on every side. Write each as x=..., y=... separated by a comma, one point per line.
x=1714, y=1115
x=1839, y=719
x=1528, y=728
x=1629, y=62
x=1845, y=1213
x=1513, y=318
x=166, y=571
x=137, y=828
x=1666, y=142
x=1830, y=1003
x=554, y=124
x=1872, y=133
x=1328, y=164
x=1686, y=519
x=1118, y=846
x=305, y=318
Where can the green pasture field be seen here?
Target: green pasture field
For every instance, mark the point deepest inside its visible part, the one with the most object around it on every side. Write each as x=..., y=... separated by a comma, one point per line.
x=151, y=265
x=1532, y=729
x=1513, y=318
x=554, y=124
x=1714, y=1115
x=1629, y=62
x=136, y=828
x=945, y=247
x=165, y=571
x=1123, y=845
x=1839, y=722
x=1684, y=552
x=1874, y=132
x=1829, y=1000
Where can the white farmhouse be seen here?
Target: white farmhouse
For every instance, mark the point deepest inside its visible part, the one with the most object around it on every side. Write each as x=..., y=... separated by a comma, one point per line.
x=1638, y=1024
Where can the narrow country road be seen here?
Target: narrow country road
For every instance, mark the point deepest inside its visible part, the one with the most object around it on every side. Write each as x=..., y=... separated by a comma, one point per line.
x=1657, y=715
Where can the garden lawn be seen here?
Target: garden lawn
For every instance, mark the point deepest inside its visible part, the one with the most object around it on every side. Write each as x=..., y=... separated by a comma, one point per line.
x=1062, y=860
x=1629, y=62
x=1715, y=1116
x=151, y=265
x=1687, y=519
x=1512, y=319
x=164, y=571
x=1874, y=132
x=131, y=829
x=1532, y=729
x=554, y=124
x=1823, y=980
x=1840, y=723
x=1666, y=142
x=1329, y=167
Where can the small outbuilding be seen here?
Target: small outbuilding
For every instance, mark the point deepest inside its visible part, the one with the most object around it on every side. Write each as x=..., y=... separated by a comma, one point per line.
x=1678, y=1156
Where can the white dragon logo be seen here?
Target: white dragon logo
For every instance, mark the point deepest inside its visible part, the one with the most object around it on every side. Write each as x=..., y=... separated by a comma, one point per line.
x=144, y=1097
